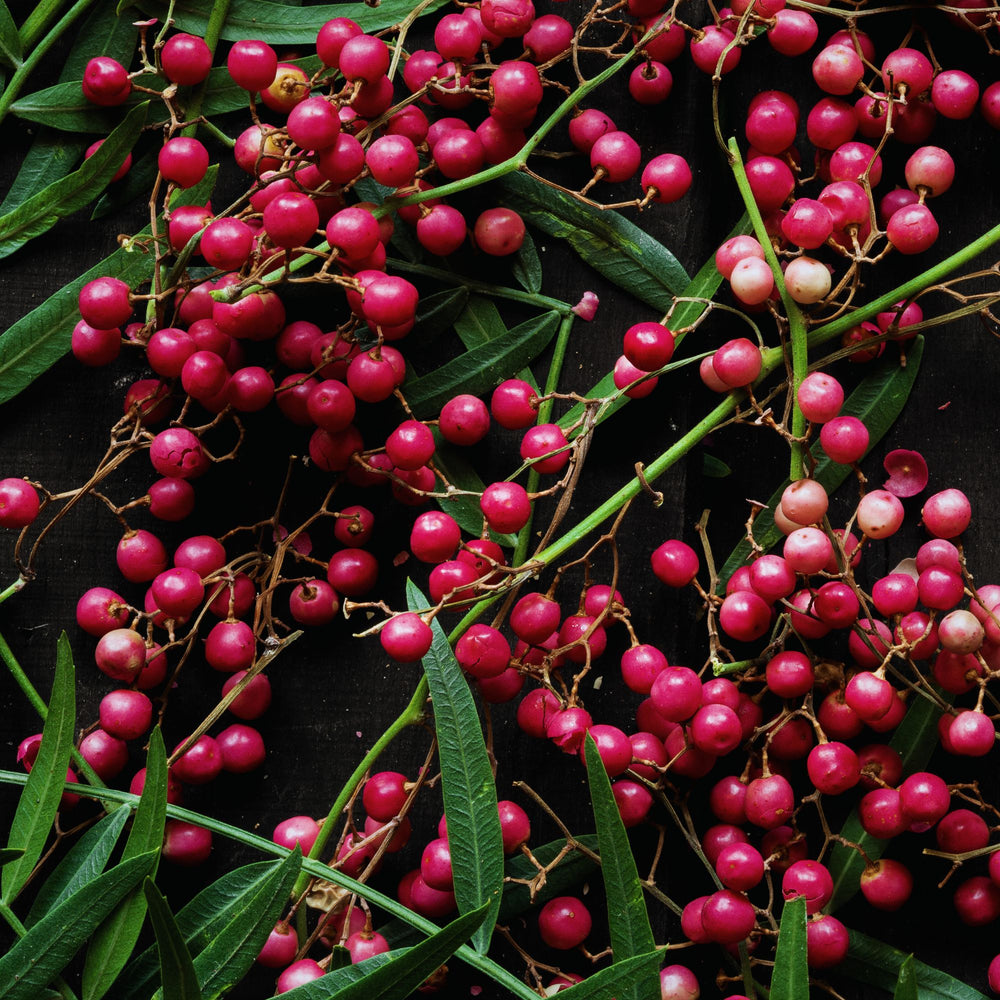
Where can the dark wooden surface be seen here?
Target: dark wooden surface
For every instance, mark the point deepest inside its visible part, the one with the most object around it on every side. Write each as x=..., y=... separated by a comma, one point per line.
x=333, y=697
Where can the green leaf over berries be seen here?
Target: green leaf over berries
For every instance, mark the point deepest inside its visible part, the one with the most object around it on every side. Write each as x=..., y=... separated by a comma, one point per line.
x=628, y=918
x=622, y=977
x=607, y=241
x=468, y=789
x=906, y=982
x=790, y=976
x=36, y=808
x=180, y=981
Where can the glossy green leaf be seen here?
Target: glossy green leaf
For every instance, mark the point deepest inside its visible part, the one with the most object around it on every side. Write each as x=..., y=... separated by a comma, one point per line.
x=10, y=43
x=85, y=861
x=877, y=401
x=914, y=740
x=527, y=267
x=878, y=964
x=101, y=31
x=8, y=854
x=63, y=107
x=465, y=509
x=628, y=918
x=703, y=285
x=482, y=368
x=114, y=940
x=60, y=199
x=225, y=961
x=790, y=976
x=180, y=982
x=480, y=322
x=37, y=341
x=279, y=24
x=51, y=157
x=621, y=978
x=470, y=796
x=200, y=921
x=906, y=982
x=606, y=241
x=714, y=467
x=39, y=801
x=572, y=871
x=398, y=978
x=37, y=958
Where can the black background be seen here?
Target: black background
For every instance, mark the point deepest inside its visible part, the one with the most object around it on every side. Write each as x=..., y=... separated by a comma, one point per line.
x=333, y=697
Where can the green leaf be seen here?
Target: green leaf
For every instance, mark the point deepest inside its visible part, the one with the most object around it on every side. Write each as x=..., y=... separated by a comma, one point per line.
x=790, y=977
x=36, y=808
x=8, y=854
x=11, y=53
x=873, y=962
x=60, y=199
x=703, y=285
x=622, y=977
x=114, y=940
x=51, y=157
x=877, y=401
x=339, y=977
x=906, y=983
x=37, y=958
x=397, y=979
x=101, y=31
x=527, y=267
x=176, y=968
x=37, y=341
x=714, y=467
x=628, y=918
x=572, y=871
x=87, y=859
x=607, y=241
x=480, y=322
x=482, y=368
x=914, y=740
x=200, y=922
x=137, y=183
x=470, y=795
x=276, y=23
x=225, y=961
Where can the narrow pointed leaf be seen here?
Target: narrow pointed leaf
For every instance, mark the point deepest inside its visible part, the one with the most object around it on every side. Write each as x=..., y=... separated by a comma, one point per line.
x=37, y=341
x=397, y=979
x=620, y=978
x=113, y=942
x=878, y=964
x=339, y=977
x=574, y=869
x=225, y=961
x=101, y=31
x=37, y=958
x=10, y=43
x=877, y=401
x=180, y=982
x=703, y=285
x=906, y=983
x=85, y=861
x=137, y=183
x=200, y=922
x=914, y=740
x=527, y=267
x=606, y=241
x=51, y=157
x=790, y=977
x=36, y=808
x=482, y=368
x=276, y=23
x=480, y=322
x=62, y=198
x=628, y=918
x=470, y=797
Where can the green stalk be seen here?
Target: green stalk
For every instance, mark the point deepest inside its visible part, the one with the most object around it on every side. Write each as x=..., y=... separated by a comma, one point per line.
x=796, y=321
x=18, y=585
x=544, y=412
x=410, y=716
x=37, y=21
x=37, y=702
x=314, y=868
x=16, y=82
x=216, y=21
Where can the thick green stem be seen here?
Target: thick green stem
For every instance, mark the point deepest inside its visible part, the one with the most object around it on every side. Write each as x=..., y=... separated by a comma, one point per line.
x=313, y=868
x=544, y=412
x=18, y=585
x=796, y=321
x=37, y=702
x=216, y=21
x=16, y=82
x=411, y=715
